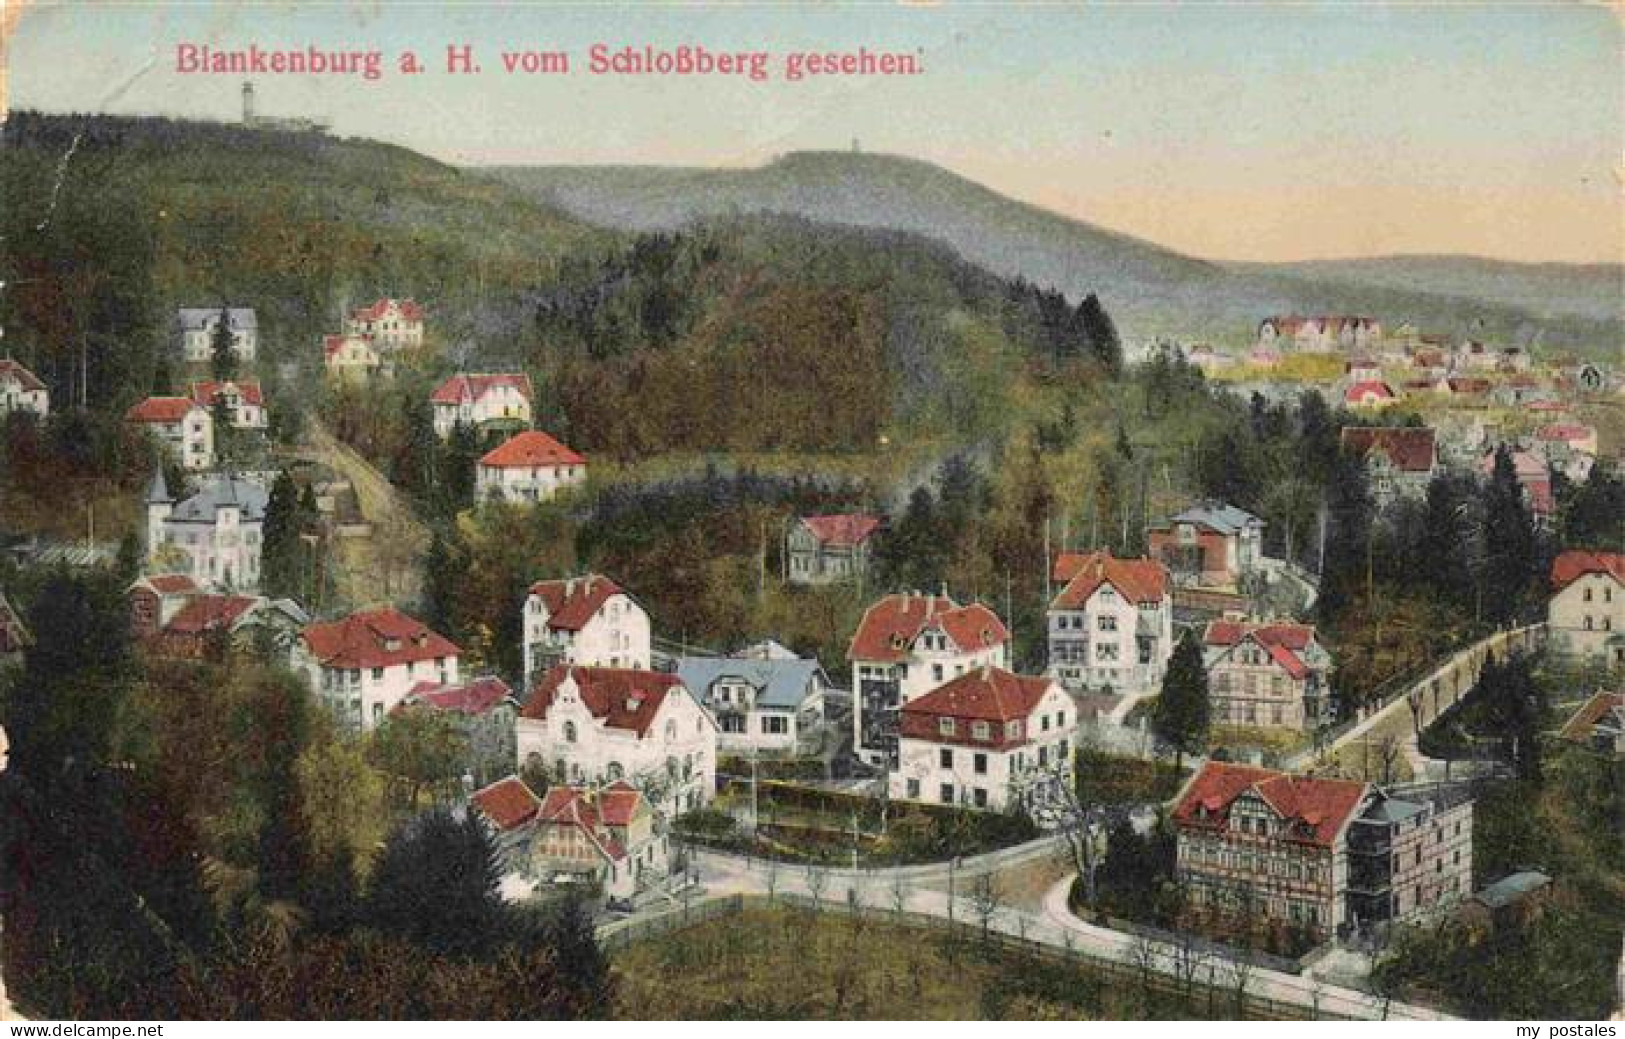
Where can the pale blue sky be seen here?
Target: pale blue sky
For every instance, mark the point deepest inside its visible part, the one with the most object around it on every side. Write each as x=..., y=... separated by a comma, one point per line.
x=1239, y=131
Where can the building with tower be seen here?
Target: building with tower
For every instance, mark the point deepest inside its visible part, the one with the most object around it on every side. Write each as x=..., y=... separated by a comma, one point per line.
x=214, y=536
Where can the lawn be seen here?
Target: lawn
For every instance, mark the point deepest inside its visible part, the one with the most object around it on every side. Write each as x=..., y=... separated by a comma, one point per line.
x=782, y=963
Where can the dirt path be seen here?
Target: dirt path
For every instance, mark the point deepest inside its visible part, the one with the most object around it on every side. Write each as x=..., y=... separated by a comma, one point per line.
x=388, y=565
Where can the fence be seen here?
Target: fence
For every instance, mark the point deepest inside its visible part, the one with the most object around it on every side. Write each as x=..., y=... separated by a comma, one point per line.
x=1183, y=984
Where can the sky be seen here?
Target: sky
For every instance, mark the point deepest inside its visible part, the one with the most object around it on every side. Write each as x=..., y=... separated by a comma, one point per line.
x=1239, y=131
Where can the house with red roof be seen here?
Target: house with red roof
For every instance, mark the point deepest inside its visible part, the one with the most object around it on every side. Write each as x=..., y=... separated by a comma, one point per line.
x=242, y=400
x=351, y=357
x=1211, y=543
x=242, y=620
x=154, y=600
x=829, y=549
x=1319, y=334
x=1257, y=846
x=528, y=468
x=362, y=665
x=586, y=620
x=605, y=836
x=1585, y=617
x=481, y=399
x=181, y=425
x=906, y=645
x=1399, y=460
x=1267, y=674
x=596, y=725
x=22, y=390
x=1534, y=476
x=1111, y=624
x=508, y=808
x=390, y=324
x=1369, y=393
x=1598, y=725
x=485, y=709
x=987, y=739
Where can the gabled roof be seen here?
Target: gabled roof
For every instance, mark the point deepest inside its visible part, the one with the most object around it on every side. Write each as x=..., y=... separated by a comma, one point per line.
x=843, y=530
x=250, y=499
x=1411, y=448
x=160, y=409
x=205, y=613
x=332, y=344
x=1599, y=708
x=889, y=627
x=1511, y=889
x=508, y=803
x=779, y=684
x=573, y=601
x=375, y=638
x=529, y=449
x=25, y=378
x=470, y=698
x=1320, y=806
x=983, y=694
x=1369, y=388
x=469, y=388
x=204, y=393
x=1217, y=516
x=168, y=584
x=1565, y=432
x=1574, y=564
x=576, y=806
x=1137, y=580
x=622, y=698
x=409, y=310
x=1283, y=642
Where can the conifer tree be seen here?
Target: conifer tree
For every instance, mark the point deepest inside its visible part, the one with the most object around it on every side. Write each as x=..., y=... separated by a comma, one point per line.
x=1180, y=715
x=222, y=355
x=1509, y=542
x=280, y=569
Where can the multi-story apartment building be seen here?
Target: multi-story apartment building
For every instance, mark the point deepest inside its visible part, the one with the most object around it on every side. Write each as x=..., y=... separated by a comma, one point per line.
x=906, y=645
x=1270, y=674
x=987, y=739
x=1585, y=617
x=1321, y=855
x=583, y=620
x=1111, y=625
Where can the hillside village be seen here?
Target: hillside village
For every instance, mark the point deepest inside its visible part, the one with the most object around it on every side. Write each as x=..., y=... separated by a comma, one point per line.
x=653, y=572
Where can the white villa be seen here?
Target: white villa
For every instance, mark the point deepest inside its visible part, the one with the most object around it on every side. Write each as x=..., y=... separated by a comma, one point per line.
x=197, y=326
x=214, y=535
x=583, y=620
x=181, y=424
x=530, y=467
x=597, y=725
x=759, y=705
x=392, y=324
x=1111, y=624
x=243, y=401
x=363, y=665
x=475, y=400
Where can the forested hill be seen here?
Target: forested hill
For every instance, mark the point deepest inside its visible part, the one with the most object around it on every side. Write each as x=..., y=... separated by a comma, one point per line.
x=112, y=222
x=1152, y=291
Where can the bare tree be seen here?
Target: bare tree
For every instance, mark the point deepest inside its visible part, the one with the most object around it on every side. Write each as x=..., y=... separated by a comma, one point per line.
x=1083, y=828
x=772, y=879
x=817, y=879
x=986, y=900
x=1143, y=954
x=1189, y=953
x=899, y=893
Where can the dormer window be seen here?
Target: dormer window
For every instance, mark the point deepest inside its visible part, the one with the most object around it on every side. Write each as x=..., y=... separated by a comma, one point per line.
x=945, y=726
x=1012, y=730
x=981, y=731
x=392, y=645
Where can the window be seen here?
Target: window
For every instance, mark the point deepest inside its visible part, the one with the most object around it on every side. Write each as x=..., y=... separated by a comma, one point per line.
x=914, y=789
x=377, y=674
x=936, y=672
x=1106, y=622
x=1043, y=756
x=1012, y=730
x=945, y=758
x=775, y=725
x=979, y=763
x=945, y=726
x=979, y=797
x=1044, y=724
x=980, y=731
x=569, y=732
x=947, y=793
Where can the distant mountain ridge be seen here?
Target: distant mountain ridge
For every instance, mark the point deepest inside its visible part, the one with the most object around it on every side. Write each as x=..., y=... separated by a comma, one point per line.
x=1151, y=290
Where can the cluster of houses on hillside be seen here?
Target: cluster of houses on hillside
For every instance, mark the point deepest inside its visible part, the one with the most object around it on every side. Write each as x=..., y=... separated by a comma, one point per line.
x=374, y=336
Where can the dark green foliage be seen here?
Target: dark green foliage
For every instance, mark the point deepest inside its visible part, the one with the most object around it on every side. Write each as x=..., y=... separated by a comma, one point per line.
x=1516, y=704
x=1591, y=514
x=1349, y=515
x=282, y=720
x=435, y=885
x=282, y=555
x=222, y=358
x=443, y=570
x=1509, y=543
x=583, y=969
x=1180, y=715
x=1136, y=871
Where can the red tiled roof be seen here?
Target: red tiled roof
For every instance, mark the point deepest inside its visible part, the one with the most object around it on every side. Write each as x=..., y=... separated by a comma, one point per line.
x=1574, y=564
x=204, y=393
x=618, y=803
x=508, y=803
x=1565, y=432
x=1370, y=388
x=574, y=806
x=1460, y=385
x=332, y=344
x=890, y=626
x=160, y=409
x=460, y=388
x=1137, y=580
x=1283, y=642
x=172, y=584
x=410, y=310
x=571, y=602
x=1594, y=710
x=25, y=378
x=621, y=697
x=1322, y=806
x=1546, y=405
x=1410, y=447
x=474, y=697
x=375, y=638
x=844, y=530
x=203, y=613
x=530, y=449
x=984, y=694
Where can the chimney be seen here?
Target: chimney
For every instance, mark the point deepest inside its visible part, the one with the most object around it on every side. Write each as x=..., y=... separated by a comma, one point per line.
x=569, y=587
x=987, y=672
